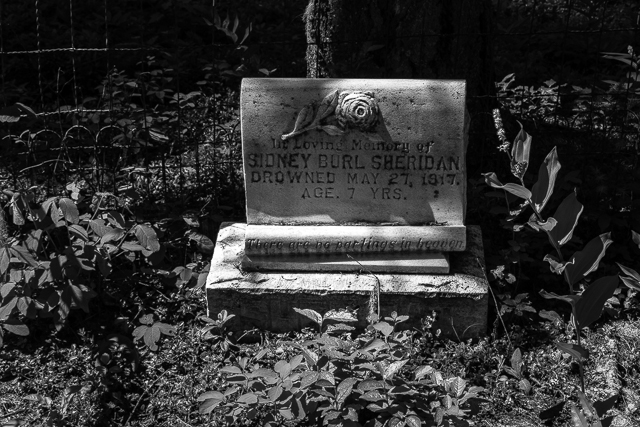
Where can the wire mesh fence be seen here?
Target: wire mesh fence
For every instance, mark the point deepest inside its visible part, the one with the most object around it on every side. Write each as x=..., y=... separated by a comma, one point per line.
x=140, y=98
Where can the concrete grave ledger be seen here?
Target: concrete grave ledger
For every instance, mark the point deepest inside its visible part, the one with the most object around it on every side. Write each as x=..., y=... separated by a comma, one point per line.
x=360, y=167
x=356, y=196
x=265, y=299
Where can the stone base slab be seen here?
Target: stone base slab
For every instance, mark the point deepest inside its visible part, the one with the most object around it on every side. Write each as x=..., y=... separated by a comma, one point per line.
x=373, y=263
x=266, y=299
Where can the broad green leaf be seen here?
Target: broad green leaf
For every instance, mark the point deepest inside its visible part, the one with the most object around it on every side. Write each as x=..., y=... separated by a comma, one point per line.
x=515, y=189
x=516, y=362
x=547, y=174
x=423, y=371
x=231, y=370
x=374, y=344
x=589, y=307
x=567, y=216
x=571, y=299
x=64, y=308
x=211, y=395
x=328, y=377
x=99, y=227
x=295, y=360
x=248, y=398
x=263, y=373
x=413, y=421
x=310, y=356
x=5, y=259
x=548, y=225
x=80, y=295
x=629, y=272
x=311, y=314
x=635, y=237
x=383, y=327
x=23, y=255
x=275, y=392
x=555, y=265
x=372, y=396
x=370, y=384
x=587, y=406
x=283, y=368
x=631, y=278
x=146, y=319
x=457, y=386
x=577, y=418
x=308, y=378
x=69, y=210
x=104, y=262
x=6, y=289
x=166, y=329
x=286, y=414
x=587, y=260
x=210, y=400
x=393, y=368
x=203, y=243
x=33, y=242
x=344, y=390
x=340, y=316
x=79, y=232
x=151, y=337
x=578, y=352
x=16, y=327
x=7, y=309
x=112, y=234
x=550, y=315
x=631, y=283
x=147, y=237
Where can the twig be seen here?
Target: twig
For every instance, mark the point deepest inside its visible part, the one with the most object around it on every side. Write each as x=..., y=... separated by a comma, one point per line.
x=495, y=301
x=13, y=413
x=146, y=391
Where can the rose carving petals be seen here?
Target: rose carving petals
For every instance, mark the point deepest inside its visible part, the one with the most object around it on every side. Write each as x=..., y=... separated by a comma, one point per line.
x=358, y=110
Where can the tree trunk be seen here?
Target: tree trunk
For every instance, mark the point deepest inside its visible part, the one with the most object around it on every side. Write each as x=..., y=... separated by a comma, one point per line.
x=320, y=22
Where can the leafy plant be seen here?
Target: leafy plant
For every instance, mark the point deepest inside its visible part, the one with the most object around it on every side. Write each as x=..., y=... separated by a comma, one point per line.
x=150, y=331
x=341, y=381
x=587, y=307
x=66, y=248
x=630, y=277
x=336, y=315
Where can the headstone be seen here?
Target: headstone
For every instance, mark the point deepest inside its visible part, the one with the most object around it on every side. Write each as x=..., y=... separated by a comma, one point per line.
x=349, y=180
x=370, y=168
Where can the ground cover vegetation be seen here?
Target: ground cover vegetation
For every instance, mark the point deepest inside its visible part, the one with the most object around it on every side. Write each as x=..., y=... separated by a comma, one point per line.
x=108, y=214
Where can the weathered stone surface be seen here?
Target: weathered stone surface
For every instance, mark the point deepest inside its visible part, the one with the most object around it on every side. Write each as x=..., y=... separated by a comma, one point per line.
x=266, y=299
x=427, y=262
x=354, y=153
x=354, y=240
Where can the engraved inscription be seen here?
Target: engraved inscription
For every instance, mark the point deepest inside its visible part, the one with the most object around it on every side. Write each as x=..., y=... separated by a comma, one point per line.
x=364, y=245
x=351, y=168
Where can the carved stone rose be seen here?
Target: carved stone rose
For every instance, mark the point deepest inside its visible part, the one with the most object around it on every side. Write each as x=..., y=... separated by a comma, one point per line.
x=337, y=112
x=357, y=109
